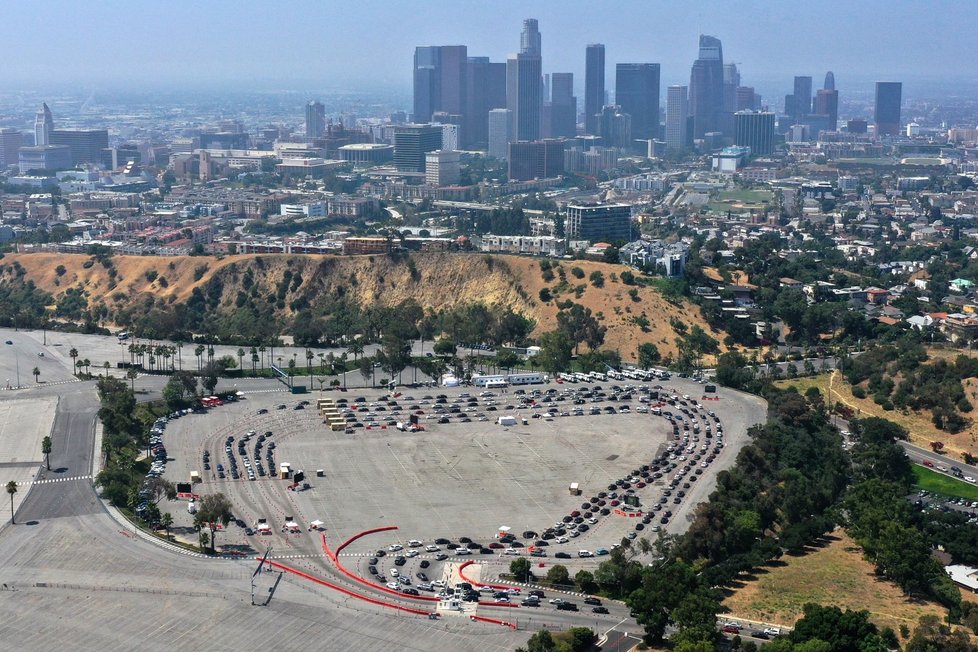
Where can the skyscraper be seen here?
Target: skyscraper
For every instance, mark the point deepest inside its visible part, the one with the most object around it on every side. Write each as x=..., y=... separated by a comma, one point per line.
x=827, y=104
x=86, y=145
x=706, y=87
x=755, y=129
x=887, y=112
x=539, y=159
x=593, y=86
x=427, y=82
x=829, y=81
x=43, y=126
x=439, y=80
x=731, y=81
x=530, y=42
x=563, y=105
x=745, y=99
x=524, y=87
x=677, y=111
x=637, y=93
x=500, y=132
x=802, y=97
x=615, y=127
x=485, y=90
x=315, y=120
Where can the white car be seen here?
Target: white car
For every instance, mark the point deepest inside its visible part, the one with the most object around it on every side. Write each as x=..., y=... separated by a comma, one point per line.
x=461, y=551
x=394, y=547
x=772, y=631
x=411, y=553
x=432, y=548
x=394, y=572
x=561, y=539
x=511, y=551
x=393, y=585
x=414, y=543
x=968, y=478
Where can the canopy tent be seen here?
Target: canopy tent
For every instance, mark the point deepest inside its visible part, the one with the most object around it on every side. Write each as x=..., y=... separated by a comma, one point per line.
x=317, y=524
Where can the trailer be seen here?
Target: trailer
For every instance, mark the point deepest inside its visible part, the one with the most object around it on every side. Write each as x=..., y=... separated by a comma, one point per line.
x=574, y=489
x=531, y=378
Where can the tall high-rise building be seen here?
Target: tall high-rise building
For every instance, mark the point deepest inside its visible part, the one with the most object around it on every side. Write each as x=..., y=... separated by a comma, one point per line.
x=802, y=97
x=530, y=42
x=485, y=90
x=637, y=93
x=563, y=106
x=500, y=132
x=887, y=112
x=10, y=141
x=615, y=127
x=706, y=87
x=755, y=129
x=593, y=86
x=595, y=222
x=677, y=112
x=439, y=80
x=827, y=104
x=829, y=81
x=731, y=81
x=412, y=142
x=524, y=94
x=43, y=126
x=315, y=119
x=427, y=82
x=524, y=86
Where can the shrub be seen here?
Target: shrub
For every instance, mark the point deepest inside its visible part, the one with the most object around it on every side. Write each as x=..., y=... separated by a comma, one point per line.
x=577, y=272
x=858, y=392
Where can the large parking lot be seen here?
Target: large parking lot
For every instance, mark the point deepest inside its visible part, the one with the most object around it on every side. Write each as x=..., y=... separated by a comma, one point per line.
x=460, y=478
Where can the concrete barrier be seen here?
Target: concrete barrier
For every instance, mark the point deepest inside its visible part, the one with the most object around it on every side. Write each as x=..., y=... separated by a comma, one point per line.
x=356, y=578
x=345, y=591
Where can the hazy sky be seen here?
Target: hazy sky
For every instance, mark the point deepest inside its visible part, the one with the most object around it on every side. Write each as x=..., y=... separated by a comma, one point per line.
x=321, y=44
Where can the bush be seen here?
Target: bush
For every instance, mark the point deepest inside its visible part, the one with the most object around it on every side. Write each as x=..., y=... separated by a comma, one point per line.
x=597, y=279
x=858, y=392
x=577, y=272
x=545, y=295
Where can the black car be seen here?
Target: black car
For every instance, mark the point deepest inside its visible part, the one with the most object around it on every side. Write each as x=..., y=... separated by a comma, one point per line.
x=421, y=576
x=567, y=606
x=594, y=601
x=399, y=561
x=600, y=610
x=562, y=555
x=380, y=553
x=372, y=570
x=424, y=563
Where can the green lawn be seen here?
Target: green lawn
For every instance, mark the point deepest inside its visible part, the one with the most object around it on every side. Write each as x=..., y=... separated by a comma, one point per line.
x=945, y=485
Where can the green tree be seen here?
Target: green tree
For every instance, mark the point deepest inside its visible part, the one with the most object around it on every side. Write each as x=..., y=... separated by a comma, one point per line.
x=557, y=574
x=555, y=351
x=541, y=641
x=213, y=509
x=11, y=490
x=35, y=372
x=166, y=520
x=173, y=393
x=73, y=353
x=581, y=326
x=46, y=450
x=520, y=568
x=648, y=355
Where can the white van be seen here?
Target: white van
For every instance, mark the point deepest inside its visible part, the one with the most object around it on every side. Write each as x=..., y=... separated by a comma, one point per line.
x=584, y=553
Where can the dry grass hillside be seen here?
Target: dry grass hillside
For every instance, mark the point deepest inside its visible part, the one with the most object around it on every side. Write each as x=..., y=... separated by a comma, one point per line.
x=434, y=280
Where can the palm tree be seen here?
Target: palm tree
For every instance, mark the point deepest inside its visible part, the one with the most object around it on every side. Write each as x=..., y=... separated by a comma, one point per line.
x=36, y=372
x=199, y=352
x=179, y=351
x=46, y=450
x=322, y=363
x=254, y=361
x=261, y=349
x=355, y=349
x=106, y=365
x=12, y=489
x=131, y=374
x=166, y=520
x=210, y=354
x=73, y=353
x=309, y=356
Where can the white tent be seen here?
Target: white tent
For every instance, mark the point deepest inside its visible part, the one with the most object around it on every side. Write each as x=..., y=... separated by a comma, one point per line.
x=507, y=421
x=317, y=523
